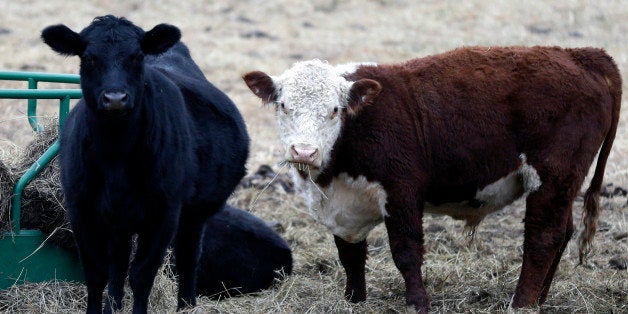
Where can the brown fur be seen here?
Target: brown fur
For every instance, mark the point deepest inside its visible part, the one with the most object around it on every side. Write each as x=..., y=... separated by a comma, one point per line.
x=445, y=126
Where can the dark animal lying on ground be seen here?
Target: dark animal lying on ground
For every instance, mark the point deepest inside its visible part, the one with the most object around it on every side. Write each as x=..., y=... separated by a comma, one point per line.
x=463, y=133
x=241, y=254
x=151, y=149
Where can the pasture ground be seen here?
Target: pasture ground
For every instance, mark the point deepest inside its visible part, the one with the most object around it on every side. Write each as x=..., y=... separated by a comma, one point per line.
x=229, y=38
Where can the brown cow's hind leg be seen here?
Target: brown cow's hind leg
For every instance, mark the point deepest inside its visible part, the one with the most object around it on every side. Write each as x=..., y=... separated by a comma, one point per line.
x=547, y=229
x=550, y=274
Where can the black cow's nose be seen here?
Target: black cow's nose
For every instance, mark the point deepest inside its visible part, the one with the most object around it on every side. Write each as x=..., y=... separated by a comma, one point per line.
x=114, y=100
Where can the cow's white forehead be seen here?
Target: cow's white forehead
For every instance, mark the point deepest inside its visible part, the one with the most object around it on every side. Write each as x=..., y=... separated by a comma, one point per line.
x=312, y=85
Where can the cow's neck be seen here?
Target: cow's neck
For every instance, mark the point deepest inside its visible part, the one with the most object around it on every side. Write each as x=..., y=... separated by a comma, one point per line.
x=119, y=136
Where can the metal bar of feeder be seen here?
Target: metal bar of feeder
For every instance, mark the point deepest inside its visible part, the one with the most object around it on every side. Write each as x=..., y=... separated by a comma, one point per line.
x=64, y=96
x=32, y=108
x=40, y=77
x=33, y=171
x=33, y=78
x=40, y=93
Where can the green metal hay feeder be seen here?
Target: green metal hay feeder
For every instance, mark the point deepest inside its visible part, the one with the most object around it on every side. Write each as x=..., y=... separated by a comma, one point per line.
x=25, y=255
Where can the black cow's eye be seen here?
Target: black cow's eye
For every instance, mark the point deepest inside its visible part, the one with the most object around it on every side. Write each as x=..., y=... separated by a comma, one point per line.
x=139, y=57
x=89, y=60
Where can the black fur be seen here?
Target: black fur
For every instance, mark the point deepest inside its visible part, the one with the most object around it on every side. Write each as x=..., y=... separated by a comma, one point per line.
x=157, y=166
x=241, y=254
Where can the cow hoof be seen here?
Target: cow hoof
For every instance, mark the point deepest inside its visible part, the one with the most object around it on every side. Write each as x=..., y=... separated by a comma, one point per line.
x=522, y=310
x=411, y=309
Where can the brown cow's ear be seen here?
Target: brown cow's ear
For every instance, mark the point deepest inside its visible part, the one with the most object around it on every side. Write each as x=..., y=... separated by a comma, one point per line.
x=363, y=93
x=261, y=85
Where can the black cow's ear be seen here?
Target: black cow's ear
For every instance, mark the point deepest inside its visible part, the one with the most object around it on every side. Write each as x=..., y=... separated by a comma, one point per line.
x=160, y=38
x=262, y=85
x=63, y=40
x=362, y=93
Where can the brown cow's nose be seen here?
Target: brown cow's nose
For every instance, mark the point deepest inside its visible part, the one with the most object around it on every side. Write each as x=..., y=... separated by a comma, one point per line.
x=303, y=153
x=115, y=100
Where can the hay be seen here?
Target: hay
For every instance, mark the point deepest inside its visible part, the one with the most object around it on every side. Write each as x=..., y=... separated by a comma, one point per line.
x=42, y=198
x=6, y=187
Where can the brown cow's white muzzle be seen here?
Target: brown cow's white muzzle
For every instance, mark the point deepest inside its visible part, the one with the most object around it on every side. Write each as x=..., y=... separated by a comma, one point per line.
x=304, y=154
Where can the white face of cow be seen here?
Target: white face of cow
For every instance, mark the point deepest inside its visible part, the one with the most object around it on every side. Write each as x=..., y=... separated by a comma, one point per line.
x=311, y=100
x=311, y=97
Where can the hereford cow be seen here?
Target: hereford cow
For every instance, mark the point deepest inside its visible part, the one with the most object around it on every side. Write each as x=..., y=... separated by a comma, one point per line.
x=151, y=149
x=463, y=133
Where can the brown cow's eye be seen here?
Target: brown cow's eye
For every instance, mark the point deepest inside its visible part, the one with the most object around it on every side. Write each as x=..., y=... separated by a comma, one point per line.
x=281, y=105
x=336, y=111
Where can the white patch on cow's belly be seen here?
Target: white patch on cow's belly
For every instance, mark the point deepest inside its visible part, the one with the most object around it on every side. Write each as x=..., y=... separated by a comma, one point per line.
x=350, y=207
x=492, y=197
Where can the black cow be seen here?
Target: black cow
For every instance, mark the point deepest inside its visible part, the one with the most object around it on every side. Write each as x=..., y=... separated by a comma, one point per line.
x=152, y=149
x=251, y=255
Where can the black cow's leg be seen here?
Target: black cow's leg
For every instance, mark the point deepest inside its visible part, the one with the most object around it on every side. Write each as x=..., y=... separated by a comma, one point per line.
x=152, y=244
x=353, y=259
x=405, y=234
x=119, y=252
x=187, y=253
x=92, y=246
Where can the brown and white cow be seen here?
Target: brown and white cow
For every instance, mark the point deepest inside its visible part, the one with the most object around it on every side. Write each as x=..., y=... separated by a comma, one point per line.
x=462, y=133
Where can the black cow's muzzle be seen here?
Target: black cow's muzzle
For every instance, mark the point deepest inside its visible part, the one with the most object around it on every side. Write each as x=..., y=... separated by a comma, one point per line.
x=115, y=101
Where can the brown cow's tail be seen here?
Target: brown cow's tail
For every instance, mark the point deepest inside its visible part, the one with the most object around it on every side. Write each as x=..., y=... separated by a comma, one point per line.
x=591, y=212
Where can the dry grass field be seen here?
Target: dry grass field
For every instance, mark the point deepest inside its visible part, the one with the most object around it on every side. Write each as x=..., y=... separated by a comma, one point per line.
x=229, y=38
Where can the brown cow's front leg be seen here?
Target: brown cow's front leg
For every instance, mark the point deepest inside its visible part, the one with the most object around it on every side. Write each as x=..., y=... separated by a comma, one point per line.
x=353, y=259
x=405, y=234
